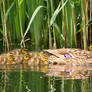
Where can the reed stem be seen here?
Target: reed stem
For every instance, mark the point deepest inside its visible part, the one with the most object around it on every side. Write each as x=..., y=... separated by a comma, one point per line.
x=5, y=28
x=90, y=30
x=83, y=25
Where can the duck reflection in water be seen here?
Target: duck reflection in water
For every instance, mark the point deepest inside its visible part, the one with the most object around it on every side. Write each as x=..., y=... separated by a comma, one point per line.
x=70, y=72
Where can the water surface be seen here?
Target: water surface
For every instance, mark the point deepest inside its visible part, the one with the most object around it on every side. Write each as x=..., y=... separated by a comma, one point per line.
x=24, y=78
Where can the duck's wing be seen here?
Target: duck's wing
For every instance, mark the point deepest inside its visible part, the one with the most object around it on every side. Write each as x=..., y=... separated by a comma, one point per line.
x=56, y=52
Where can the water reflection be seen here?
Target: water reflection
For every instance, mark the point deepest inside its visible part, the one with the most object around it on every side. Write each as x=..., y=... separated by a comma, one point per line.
x=61, y=71
x=23, y=67
x=70, y=72
x=52, y=78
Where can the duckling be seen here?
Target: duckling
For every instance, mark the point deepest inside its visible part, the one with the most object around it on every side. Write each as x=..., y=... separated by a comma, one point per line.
x=3, y=58
x=34, y=58
x=26, y=57
x=14, y=52
x=90, y=47
x=10, y=59
x=13, y=57
x=22, y=57
x=23, y=51
x=43, y=57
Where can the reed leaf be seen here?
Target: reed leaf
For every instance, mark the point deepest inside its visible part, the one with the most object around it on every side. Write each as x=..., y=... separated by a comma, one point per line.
x=1, y=1
x=57, y=12
x=20, y=2
x=9, y=9
x=58, y=29
x=83, y=25
x=22, y=18
x=59, y=36
x=61, y=24
x=1, y=31
x=31, y=20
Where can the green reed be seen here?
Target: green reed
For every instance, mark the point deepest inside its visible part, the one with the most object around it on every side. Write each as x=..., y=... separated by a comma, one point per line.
x=90, y=37
x=83, y=23
x=42, y=24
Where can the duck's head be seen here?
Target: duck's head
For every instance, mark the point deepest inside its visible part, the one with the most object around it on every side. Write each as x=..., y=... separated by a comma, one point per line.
x=23, y=51
x=90, y=47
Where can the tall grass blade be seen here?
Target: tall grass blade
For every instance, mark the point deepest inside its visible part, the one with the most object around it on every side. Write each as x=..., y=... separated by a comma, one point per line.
x=57, y=12
x=31, y=20
x=21, y=18
x=59, y=36
x=58, y=29
x=9, y=9
x=20, y=2
x=1, y=1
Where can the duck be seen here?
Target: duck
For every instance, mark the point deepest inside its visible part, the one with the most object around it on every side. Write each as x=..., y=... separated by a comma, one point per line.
x=38, y=58
x=3, y=59
x=34, y=58
x=90, y=48
x=70, y=56
x=10, y=59
x=26, y=58
x=23, y=51
x=43, y=57
x=22, y=56
x=16, y=56
x=69, y=71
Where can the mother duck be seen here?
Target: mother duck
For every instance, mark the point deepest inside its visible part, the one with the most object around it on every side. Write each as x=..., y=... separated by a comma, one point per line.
x=69, y=56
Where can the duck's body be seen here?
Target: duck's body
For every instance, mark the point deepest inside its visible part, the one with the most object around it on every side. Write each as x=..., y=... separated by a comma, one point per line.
x=70, y=56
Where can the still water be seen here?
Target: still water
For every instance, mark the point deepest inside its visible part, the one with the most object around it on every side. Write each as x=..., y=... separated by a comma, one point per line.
x=52, y=78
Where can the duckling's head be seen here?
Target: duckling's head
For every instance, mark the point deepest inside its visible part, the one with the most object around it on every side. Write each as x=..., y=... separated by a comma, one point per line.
x=27, y=57
x=10, y=59
x=90, y=47
x=23, y=51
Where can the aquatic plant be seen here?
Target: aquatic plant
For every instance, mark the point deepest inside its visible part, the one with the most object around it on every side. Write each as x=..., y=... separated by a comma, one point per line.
x=45, y=23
